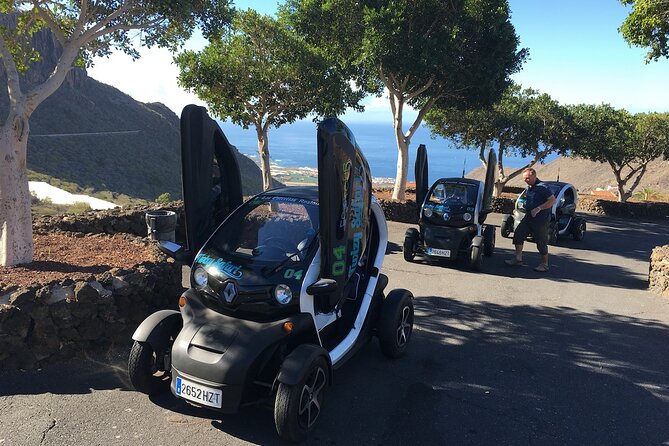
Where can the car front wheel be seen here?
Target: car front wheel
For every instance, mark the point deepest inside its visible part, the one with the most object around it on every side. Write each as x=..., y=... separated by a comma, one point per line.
x=297, y=407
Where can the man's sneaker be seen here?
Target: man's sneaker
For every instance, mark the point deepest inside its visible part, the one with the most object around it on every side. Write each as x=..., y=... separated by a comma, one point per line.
x=513, y=262
x=542, y=268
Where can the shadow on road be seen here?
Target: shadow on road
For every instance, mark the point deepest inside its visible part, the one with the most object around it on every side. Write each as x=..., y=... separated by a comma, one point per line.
x=476, y=373
x=631, y=239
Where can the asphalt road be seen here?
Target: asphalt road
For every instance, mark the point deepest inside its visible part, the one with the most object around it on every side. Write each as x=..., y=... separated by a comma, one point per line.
x=579, y=355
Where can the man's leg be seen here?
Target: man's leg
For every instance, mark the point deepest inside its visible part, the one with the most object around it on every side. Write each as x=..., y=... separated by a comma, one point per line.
x=541, y=238
x=519, y=236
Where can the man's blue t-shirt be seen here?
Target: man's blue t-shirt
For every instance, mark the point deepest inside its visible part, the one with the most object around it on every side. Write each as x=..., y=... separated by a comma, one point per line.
x=535, y=196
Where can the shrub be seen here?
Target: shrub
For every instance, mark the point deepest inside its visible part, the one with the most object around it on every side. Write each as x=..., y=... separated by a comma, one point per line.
x=164, y=198
x=79, y=208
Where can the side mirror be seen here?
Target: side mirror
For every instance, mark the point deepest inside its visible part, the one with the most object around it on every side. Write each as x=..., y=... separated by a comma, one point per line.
x=322, y=286
x=174, y=250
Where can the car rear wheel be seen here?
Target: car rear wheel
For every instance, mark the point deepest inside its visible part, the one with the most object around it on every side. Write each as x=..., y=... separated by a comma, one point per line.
x=579, y=229
x=396, y=323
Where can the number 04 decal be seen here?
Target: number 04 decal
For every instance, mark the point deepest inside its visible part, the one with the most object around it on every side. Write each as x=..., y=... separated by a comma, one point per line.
x=339, y=266
x=293, y=274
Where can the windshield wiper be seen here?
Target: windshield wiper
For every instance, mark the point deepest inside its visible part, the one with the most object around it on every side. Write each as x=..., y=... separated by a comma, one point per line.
x=268, y=271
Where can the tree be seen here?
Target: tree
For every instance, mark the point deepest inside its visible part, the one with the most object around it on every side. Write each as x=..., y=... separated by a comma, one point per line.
x=83, y=29
x=626, y=142
x=422, y=52
x=261, y=74
x=648, y=26
x=523, y=122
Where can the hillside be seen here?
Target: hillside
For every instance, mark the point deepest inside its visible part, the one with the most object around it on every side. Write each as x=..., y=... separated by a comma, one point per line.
x=143, y=163
x=588, y=175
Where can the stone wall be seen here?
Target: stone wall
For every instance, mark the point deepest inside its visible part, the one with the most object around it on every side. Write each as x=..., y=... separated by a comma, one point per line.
x=658, y=273
x=44, y=323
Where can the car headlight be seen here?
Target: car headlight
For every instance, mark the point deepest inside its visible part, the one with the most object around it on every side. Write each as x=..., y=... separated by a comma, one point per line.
x=200, y=276
x=467, y=216
x=427, y=212
x=282, y=294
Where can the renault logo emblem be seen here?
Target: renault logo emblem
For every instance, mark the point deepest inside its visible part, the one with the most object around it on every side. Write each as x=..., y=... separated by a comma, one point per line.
x=230, y=292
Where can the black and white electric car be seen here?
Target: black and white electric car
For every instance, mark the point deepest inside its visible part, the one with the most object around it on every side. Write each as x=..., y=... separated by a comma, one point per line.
x=564, y=220
x=451, y=216
x=284, y=287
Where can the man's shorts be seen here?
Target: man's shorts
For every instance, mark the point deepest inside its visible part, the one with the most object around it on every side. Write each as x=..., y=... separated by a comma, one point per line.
x=539, y=231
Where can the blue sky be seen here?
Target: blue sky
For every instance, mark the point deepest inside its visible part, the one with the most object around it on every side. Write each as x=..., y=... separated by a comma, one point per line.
x=576, y=56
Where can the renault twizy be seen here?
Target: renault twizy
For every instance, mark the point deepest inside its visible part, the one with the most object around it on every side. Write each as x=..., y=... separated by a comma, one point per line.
x=451, y=216
x=564, y=220
x=284, y=287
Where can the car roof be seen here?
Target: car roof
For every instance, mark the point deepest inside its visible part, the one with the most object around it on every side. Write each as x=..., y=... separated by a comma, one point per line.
x=304, y=192
x=467, y=181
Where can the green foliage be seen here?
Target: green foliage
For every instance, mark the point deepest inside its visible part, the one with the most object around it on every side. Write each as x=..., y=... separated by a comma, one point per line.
x=648, y=26
x=522, y=121
x=106, y=25
x=462, y=52
x=647, y=194
x=164, y=198
x=262, y=74
x=626, y=142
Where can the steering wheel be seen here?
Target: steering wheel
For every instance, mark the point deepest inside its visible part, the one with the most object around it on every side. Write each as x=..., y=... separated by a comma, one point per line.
x=275, y=245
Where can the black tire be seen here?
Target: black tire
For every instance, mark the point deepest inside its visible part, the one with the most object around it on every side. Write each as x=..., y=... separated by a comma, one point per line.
x=297, y=407
x=144, y=373
x=396, y=323
x=410, y=241
x=488, y=240
x=552, y=233
x=476, y=258
x=507, y=227
x=579, y=229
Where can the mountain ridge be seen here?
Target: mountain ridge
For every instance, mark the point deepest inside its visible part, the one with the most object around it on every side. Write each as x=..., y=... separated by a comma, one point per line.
x=101, y=139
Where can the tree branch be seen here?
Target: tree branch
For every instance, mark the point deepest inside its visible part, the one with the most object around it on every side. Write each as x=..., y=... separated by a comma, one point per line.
x=93, y=31
x=413, y=94
x=83, y=18
x=55, y=80
x=421, y=114
x=50, y=22
x=13, y=83
x=115, y=28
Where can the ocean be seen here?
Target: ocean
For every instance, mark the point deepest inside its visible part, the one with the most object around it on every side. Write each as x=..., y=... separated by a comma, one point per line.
x=294, y=145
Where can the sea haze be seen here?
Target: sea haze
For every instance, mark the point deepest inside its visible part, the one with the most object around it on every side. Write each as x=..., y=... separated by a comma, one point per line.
x=294, y=145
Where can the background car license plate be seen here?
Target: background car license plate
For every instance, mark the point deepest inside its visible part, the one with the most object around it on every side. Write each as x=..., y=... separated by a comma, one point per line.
x=200, y=394
x=439, y=252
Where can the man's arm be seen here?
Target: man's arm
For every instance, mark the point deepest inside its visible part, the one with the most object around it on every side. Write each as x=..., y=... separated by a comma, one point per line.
x=546, y=205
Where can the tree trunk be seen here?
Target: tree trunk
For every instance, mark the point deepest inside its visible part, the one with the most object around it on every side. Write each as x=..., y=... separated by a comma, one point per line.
x=402, y=163
x=263, y=153
x=16, y=237
x=622, y=195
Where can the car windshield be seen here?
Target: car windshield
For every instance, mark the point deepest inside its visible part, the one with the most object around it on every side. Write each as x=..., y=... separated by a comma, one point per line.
x=268, y=229
x=453, y=194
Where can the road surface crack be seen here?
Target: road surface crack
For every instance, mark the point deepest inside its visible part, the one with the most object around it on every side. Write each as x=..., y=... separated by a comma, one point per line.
x=51, y=426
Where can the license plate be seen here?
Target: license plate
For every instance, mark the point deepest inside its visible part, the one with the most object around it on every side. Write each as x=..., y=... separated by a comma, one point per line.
x=438, y=252
x=198, y=393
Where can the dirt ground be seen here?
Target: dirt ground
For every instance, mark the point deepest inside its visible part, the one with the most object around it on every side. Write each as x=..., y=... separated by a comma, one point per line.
x=62, y=255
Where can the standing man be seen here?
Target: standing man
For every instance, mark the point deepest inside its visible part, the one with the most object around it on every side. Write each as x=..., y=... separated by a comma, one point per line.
x=539, y=200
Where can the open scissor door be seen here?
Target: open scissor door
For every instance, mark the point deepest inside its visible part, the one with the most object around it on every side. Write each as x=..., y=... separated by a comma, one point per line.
x=420, y=172
x=212, y=186
x=344, y=190
x=489, y=184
